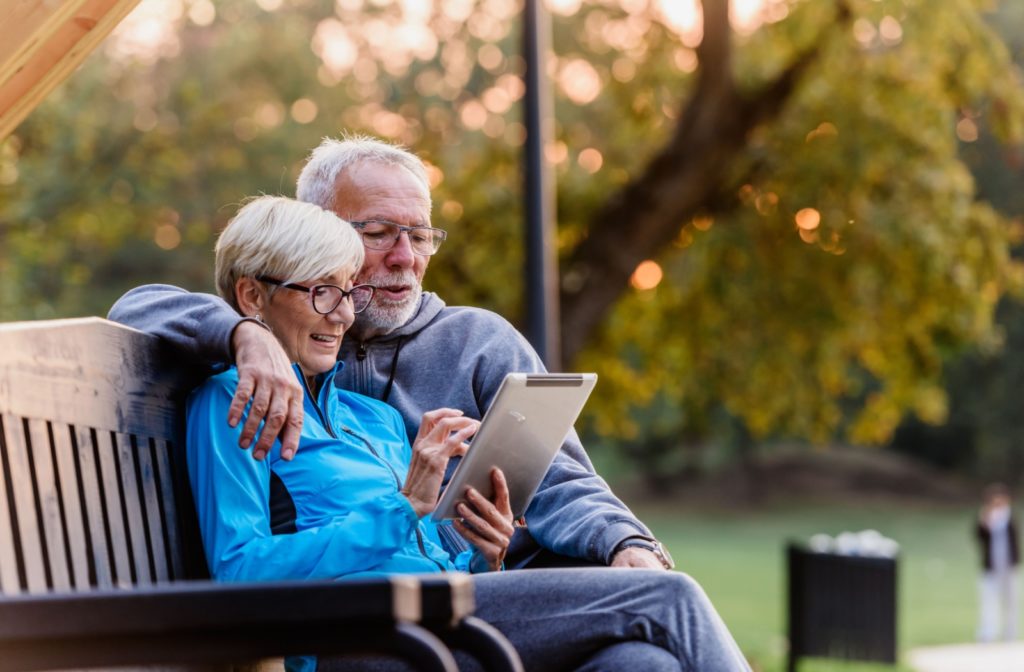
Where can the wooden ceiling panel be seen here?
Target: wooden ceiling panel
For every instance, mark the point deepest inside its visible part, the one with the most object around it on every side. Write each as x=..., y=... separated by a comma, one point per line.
x=42, y=42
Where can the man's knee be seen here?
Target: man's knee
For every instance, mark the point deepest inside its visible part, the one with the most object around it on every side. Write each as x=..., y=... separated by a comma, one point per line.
x=631, y=656
x=683, y=587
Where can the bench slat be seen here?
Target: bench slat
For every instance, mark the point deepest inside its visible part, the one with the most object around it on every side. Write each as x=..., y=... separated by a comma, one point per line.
x=148, y=481
x=48, y=496
x=169, y=507
x=24, y=504
x=10, y=584
x=110, y=477
x=74, y=516
x=100, y=555
x=134, y=508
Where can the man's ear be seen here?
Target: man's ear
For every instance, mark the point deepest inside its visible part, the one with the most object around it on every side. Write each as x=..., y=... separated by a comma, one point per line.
x=249, y=296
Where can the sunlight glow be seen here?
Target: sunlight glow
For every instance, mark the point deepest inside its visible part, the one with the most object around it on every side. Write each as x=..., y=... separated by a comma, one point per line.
x=580, y=81
x=686, y=17
x=590, y=160
x=967, y=130
x=148, y=33
x=890, y=30
x=304, y=111
x=334, y=47
x=563, y=7
x=808, y=219
x=647, y=275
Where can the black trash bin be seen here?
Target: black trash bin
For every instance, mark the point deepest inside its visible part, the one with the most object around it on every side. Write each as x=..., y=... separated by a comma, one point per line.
x=841, y=606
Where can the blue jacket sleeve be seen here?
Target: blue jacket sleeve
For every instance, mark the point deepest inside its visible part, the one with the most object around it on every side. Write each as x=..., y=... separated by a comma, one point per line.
x=199, y=325
x=231, y=491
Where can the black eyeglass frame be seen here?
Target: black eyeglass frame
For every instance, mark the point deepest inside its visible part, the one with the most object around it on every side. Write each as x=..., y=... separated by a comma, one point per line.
x=345, y=294
x=438, y=235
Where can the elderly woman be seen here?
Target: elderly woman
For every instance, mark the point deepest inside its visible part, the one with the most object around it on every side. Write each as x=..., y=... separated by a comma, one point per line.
x=356, y=499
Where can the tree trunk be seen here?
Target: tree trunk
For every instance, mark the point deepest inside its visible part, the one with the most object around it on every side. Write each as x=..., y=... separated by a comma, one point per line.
x=685, y=179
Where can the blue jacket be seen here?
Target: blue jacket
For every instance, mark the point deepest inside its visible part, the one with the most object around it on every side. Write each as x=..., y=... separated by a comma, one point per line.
x=338, y=501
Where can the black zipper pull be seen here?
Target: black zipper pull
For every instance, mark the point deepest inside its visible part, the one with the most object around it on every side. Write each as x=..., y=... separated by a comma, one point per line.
x=361, y=351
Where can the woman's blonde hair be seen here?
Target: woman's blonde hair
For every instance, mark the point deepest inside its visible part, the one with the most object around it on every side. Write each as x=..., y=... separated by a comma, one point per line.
x=286, y=239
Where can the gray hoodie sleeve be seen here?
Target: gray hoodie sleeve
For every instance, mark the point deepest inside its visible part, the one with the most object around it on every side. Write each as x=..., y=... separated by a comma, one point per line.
x=199, y=325
x=574, y=512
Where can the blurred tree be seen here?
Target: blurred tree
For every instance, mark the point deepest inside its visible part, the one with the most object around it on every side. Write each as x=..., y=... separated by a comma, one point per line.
x=984, y=434
x=794, y=246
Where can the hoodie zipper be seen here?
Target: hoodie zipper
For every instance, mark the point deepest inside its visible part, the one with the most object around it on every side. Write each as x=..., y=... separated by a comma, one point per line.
x=398, y=483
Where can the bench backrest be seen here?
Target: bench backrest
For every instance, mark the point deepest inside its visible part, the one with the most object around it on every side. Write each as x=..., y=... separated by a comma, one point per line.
x=91, y=493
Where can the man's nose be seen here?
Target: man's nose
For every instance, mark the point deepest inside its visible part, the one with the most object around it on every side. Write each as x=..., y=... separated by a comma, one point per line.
x=401, y=255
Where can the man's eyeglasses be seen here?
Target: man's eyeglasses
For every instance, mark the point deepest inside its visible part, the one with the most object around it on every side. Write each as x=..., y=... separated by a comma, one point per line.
x=326, y=298
x=382, y=235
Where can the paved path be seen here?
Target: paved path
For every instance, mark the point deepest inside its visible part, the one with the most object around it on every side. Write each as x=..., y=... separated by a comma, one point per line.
x=1001, y=657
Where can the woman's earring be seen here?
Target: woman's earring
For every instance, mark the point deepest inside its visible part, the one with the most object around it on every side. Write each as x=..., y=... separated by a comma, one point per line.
x=259, y=318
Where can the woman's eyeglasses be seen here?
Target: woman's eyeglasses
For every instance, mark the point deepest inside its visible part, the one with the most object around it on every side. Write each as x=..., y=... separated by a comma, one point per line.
x=327, y=298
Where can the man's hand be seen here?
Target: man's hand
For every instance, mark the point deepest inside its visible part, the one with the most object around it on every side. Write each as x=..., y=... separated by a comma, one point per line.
x=266, y=376
x=636, y=557
x=488, y=525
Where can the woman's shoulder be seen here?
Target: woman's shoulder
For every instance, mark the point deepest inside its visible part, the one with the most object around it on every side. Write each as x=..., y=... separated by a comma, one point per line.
x=215, y=386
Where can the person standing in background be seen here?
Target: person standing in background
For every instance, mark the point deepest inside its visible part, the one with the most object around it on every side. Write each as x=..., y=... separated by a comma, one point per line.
x=998, y=594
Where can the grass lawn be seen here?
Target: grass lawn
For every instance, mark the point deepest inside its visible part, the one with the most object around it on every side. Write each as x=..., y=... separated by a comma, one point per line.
x=739, y=559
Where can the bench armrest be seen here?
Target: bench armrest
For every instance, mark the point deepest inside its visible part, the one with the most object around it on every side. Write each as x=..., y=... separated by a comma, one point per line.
x=206, y=622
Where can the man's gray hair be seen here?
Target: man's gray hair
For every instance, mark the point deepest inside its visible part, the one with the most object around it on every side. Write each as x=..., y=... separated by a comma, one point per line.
x=285, y=239
x=316, y=183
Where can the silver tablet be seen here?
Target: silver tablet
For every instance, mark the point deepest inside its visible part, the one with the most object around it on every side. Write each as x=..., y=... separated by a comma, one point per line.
x=520, y=434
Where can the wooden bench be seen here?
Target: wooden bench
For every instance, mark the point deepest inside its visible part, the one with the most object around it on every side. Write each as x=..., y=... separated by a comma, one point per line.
x=100, y=559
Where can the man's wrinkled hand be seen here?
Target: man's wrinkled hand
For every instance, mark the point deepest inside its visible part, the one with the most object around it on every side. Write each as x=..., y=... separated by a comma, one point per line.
x=266, y=377
x=488, y=525
x=636, y=557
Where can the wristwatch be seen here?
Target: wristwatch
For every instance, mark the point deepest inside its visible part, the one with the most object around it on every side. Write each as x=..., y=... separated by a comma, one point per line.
x=652, y=545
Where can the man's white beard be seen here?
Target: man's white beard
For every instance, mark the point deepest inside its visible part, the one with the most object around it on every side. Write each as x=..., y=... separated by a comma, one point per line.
x=383, y=316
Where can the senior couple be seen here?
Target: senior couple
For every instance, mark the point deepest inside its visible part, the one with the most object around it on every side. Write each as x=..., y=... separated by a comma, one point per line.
x=354, y=389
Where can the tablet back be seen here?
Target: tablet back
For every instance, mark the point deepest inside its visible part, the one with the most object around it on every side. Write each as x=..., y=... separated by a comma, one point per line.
x=520, y=434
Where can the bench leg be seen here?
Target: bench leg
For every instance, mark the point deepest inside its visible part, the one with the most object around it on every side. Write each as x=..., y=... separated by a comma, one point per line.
x=485, y=643
x=423, y=649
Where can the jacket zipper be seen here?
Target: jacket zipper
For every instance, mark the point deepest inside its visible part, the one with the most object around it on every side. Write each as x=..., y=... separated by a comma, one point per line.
x=398, y=483
x=316, y=404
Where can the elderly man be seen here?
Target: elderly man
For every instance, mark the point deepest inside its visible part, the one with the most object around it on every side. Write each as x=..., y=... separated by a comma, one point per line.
x=408, y=349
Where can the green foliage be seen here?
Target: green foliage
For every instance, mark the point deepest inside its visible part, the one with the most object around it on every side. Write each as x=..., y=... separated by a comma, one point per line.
x=126, y=174
x=844, y=325
x=739, y=560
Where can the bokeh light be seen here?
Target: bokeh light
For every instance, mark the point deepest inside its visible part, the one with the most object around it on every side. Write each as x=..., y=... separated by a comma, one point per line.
x=808, y=219
x=648, y=275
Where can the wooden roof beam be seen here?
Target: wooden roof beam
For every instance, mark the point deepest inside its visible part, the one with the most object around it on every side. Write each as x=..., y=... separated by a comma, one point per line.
x=44, y=41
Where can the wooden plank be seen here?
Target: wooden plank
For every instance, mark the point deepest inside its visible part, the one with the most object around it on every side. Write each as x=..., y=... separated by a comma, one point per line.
x=75, y=521
x=27, y=26
x=95, y=514
x=9, y=581
x=115, y=375
x=57, y=58
x=48, y=498
x=169, y=509
x=151, y=498
x=134, y=509
x=24, y=503
x=115, y=517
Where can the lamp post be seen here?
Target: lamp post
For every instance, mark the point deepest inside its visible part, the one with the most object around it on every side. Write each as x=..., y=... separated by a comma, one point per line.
x=542, y=313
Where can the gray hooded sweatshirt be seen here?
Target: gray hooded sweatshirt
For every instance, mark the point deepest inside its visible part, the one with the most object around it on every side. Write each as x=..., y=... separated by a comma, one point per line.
x=445, y=356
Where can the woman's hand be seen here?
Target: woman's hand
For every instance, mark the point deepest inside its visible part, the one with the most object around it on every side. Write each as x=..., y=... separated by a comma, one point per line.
x=488, y=525
x=441, y=436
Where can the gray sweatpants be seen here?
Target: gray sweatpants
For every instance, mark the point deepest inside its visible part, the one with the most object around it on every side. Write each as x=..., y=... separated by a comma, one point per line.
x=593, y=619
